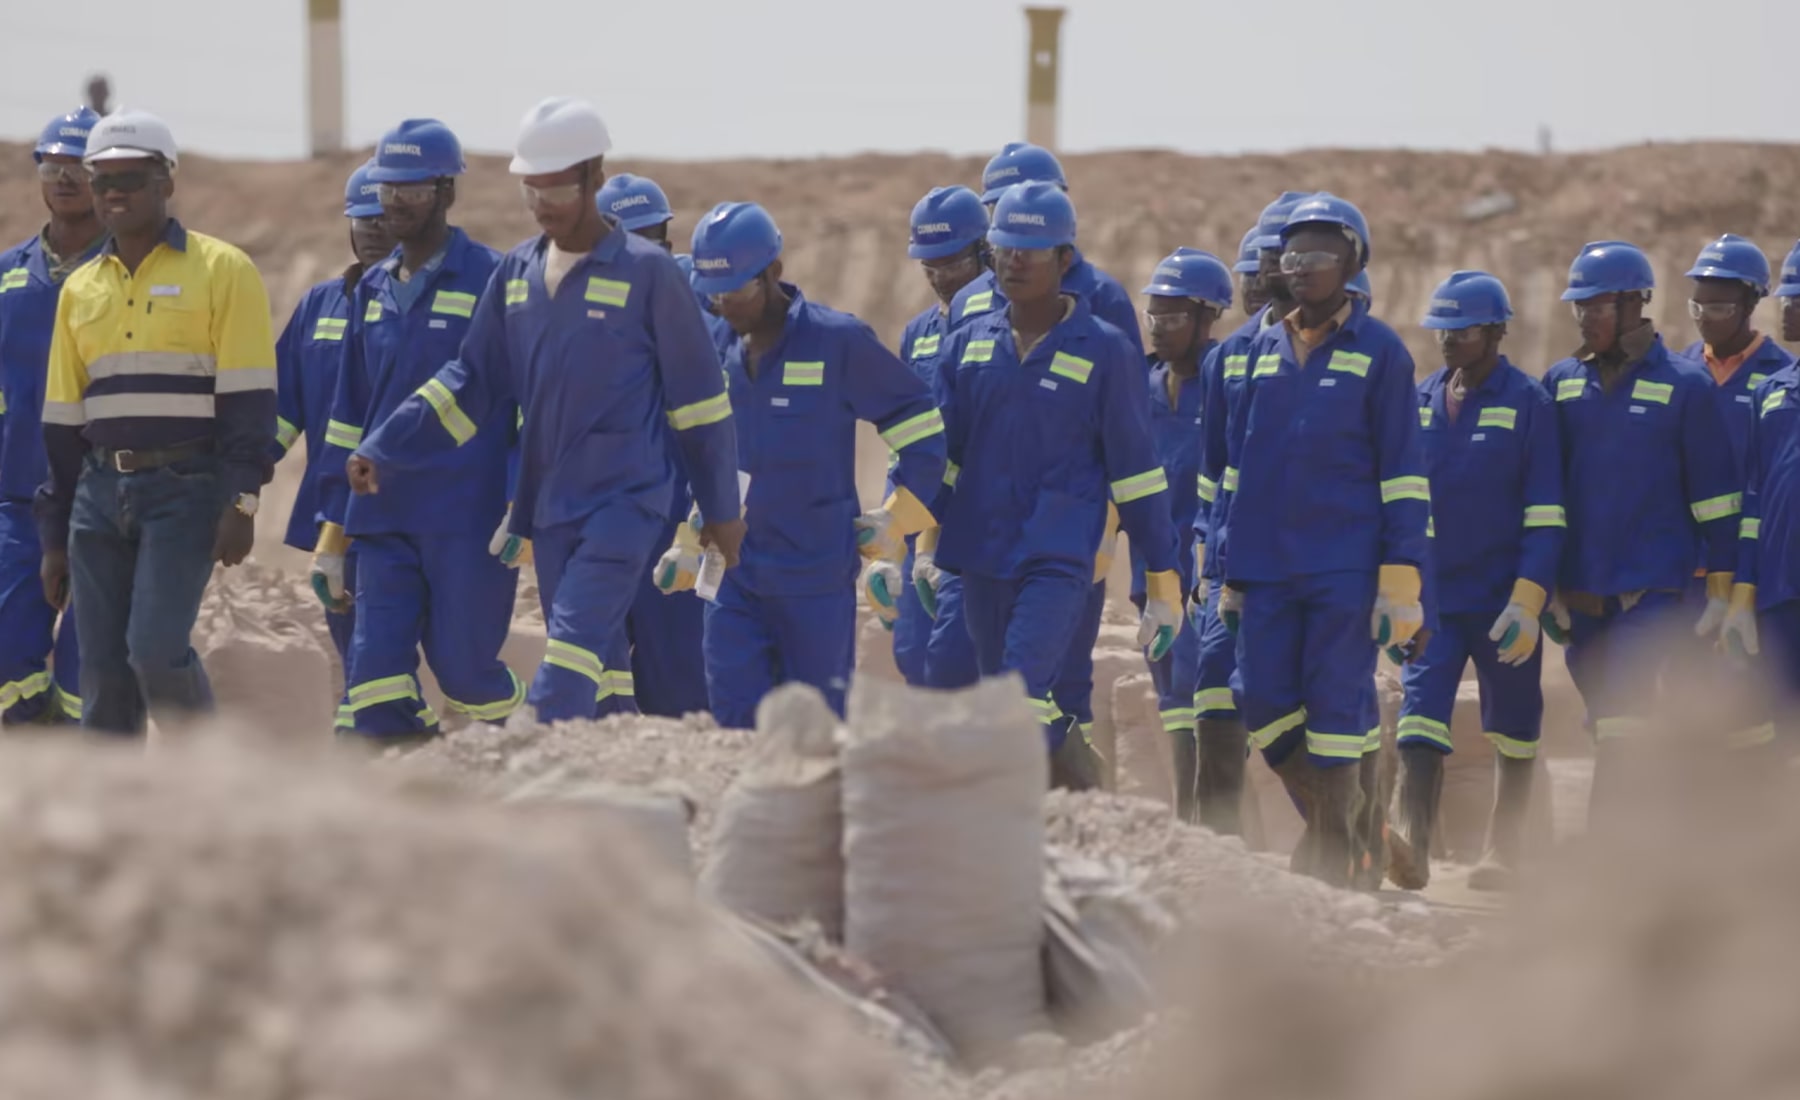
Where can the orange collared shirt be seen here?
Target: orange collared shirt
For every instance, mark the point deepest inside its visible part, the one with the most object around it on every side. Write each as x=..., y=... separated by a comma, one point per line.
x=1723, y=369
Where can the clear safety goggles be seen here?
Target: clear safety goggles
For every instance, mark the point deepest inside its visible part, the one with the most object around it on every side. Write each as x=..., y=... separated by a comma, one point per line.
x=1712, y=311
x=407, y=194
x=1304, y=263
x=56, y=172
x=1167, y=322
x=559, y=194
x=1452, y=337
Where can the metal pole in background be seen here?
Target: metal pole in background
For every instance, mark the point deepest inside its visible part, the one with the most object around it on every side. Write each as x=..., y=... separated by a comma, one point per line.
x=1041, y=66
x=325, y=76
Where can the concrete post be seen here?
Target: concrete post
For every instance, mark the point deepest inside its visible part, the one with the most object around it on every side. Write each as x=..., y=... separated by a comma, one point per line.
x=1041, y=66
x=325, y=76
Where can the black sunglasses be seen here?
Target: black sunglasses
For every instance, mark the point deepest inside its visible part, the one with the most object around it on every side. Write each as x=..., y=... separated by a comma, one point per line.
x=126, y=183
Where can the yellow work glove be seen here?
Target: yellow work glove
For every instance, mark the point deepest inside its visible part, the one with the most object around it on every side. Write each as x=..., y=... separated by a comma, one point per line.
x=1517, y=629
x=1718, y=604
x=926, y=576
x=1161, y=620
x=881, y=587
x=1398, y=615
x=1738, y=634
x=1109, y=542
x=512, y=550
x=328, y=568
x=679, y=566
x=881, y=533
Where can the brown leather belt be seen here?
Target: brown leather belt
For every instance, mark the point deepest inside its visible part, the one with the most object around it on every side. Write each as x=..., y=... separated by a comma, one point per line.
x=137, y=461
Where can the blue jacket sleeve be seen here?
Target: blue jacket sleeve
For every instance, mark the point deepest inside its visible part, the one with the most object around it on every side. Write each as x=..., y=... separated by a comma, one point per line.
x=1715, y=495
x=1399, y=459
x=290, y=403
x=1546, y=522
x=1211, y=442
x=1113, y=305
x=955, y=429
x=695, y=400
x=884, y=391
x=349, y=412
x=1750, y=523
x=1135, y=478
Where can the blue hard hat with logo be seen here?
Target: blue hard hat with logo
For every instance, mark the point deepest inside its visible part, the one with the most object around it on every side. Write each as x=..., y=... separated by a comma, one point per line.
x=1733, y=257
x=944, y=222
x=1033, y=215
x=361, y=198
x=1608, y=267
x=1020, y=162
x=734, y=243
x=1274, y=219
x=1191, y=273
x=1249, y=257
x=65, y=135
x=1326, y=208
x=1467, y=299
x=1360, y=286
x=636, y=201
x=1789, y=287
x=417, y=150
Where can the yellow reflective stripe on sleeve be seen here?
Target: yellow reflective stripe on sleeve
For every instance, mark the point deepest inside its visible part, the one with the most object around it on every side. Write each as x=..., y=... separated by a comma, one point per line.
x=1335, y=746
x=373, y=313
x=1267, y=365
x=1405, y=488
x=1774, y=401
x=385, y=690
x=1545, y=515
x=701, y=413
x=1498, y=418
x=455, y=421
x=330, y=328
x=1228, y=483
x=285, y=432
x=1237, y=366
x=925, y=345
x=1177, y=719
x=803, y=374
x=608, y=292
x=978, y=351
x=908, y=432
x=517, y=291
x=978, y=303
x=951, y=471
x=1139, y=486
x=1071, y=366
x=1214, y=701
x=1424, y=416
x=1658, y=392
x=1719, y=507
x=1349, y=362
x=454, y=302
x=340, y=434
x=495, y=711
x=1209, y=489
x=1269, y=734
x=1749, y=527
x=1416, y=728
x=1570, y=388
x=576, y=659
x=1511, y=747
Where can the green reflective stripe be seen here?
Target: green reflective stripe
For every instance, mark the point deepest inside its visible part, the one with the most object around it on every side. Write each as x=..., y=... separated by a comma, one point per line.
x=517, y=291
x=1749, y=527
x=803, y=374
x=1774, y=401
x=701, y=413
x=1350, y=362
x=1071, y=366
x=1405, y=488
x=978, y=303
x=330, y=328
x=1176, y=719
x=1512, y=748
x=1335, y=746
x=69, y=703
x=608, y=292
x=1607, y=729
x=1267, y=735
x=1237, y=366
x=1228, y=483
x=576, y=659
x=1424, y=416
x=1372, y=741
x=385, y=690
x=454, y=302
x=1046, y=710
x=615, y=682
x=1498, y=418
x=1139, y=486
x=1755, y=381
x=978, y=351
x=1718, y=507
x=951, y=470
x=15, y=279
x=346, y=718
x=1430, y=526
x=1214, y=701
x=29, y=686
x=1659, y=392
x=1546, y=515
x=1570, y=388
x=285, y=432
x=2, y=404
x=455, y=421
x=340, y=434
x=495, y=711
x=926, y=345
x=1414, y=728
x=1209, y=489
x=373, y=313
x=908, y=432
x=1267, y=365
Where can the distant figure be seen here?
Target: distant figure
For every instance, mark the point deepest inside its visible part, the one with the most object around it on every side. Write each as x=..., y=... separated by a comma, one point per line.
x=99, y=94
x=1544, y=146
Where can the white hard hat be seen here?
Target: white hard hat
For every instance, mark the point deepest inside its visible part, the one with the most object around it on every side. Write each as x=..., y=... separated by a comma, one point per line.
x=559, y=133
x=125, y=134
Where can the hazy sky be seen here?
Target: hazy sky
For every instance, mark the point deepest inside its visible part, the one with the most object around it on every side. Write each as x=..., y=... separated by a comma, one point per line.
x=697, y=79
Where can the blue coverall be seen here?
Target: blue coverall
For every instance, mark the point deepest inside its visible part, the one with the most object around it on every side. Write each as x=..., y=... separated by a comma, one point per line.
x=1039, y=445
x=1769, y=538
x=788, y=611
x=424, y=573
x=1174, y=430
x=604, y=371
x=1496, y=492
x=31, y=639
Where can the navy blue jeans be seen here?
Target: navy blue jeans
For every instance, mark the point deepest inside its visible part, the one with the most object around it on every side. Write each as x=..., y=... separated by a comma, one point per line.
x=140, y=555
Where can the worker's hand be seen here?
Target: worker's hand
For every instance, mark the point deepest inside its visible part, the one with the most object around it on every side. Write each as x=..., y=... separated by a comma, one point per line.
x=1397, y=614
x=1718, y=605
x=677, y=569
x=1109, y=543
x=327, y=575
x=234, y=537
x=881, y=584
x=926, y=576
x=361, y=472
x=878, y=536
x=1412, y=650
x=1231, y=608
x=1516, y=632
x=1737, y=635
x=1555, y=621
x=728, y=536
x=53, y=571
x=512, y=550
x=1160, y=622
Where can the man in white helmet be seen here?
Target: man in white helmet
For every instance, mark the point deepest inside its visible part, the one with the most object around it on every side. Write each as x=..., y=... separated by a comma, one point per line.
x=596, y=335
x=159, y=417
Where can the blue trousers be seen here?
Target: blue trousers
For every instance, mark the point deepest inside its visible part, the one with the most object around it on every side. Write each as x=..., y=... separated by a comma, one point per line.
x=1512, y=696
x=1173, y=678
x=756, y=642
x=1307, y=664
x=1023, y=625
x=30, y=686
x=447, y=594
x=140, y=556
x=1215, y=659
x=668, y=670
x=1074, y=690
x=1778, y=631
x=1616, y=659
x=934, y=653
x=912, y=629
x=589, y=574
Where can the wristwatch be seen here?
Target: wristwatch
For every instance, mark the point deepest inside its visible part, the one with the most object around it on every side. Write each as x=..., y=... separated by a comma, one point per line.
x=246, y=503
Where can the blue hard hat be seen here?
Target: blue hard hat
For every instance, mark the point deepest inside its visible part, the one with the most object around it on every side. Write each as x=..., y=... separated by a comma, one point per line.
x=1249, y=257
x=1326, y=208
x=944, y=222
x=1191, y=273
x=1608, y=267
x=1733, y=257
x=1020, y=162
x=1360, y=285
x=360, y=198
x=65, y=135
x=1790, y=274
x=1467, y=299
x=1033, y=215
x=418, y=149
x=635, y=200
x=734, y=243
x=1274, y=219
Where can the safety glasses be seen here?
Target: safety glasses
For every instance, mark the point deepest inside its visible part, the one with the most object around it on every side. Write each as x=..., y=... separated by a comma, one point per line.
x=955, y=265
x=739, y=297
x=560, y=194
x=1455, y=337
x=407, y=194
x=1712, y=311
x=125, y=183
x=1593, y=305
x=1167, y=322
x=1024, y=257
x=57, y=171
x=1304, y=263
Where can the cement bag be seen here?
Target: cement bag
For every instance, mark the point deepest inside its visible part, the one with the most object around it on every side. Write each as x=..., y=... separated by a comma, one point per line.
x=944, y=842
x=777, y=843
x=659, y=817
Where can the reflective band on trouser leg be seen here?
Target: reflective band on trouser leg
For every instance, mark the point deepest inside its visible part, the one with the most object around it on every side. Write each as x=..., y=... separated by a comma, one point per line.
x=561, y=654
x=1264, y=736
x=1210, y=702
x=1545, y=515
x=23, y=689
x=495, y=711
x=1372, y=742
x=1514, y=749
x=588, y=577
x=1337, y=746
x=1178, y=719
x=1414, y=728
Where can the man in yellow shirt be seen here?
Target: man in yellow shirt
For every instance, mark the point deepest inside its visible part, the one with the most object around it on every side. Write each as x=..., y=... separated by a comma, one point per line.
x=159, y=419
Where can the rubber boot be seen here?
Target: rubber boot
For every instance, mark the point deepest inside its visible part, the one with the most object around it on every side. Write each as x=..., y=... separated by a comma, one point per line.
x=1075, y=766
x=1370, y=855
x=1506, y=829
x=1337, y=797
x=1298, y=777
x=1187, y=774
x=1224, y=752
x=1409, y=847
